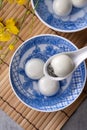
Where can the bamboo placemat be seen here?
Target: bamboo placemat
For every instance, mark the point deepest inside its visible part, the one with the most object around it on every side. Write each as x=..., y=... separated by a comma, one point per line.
x=27, y=118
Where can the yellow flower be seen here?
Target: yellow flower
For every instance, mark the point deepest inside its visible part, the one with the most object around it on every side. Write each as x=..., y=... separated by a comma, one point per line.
x=4, y=34
x=11, y=46
x=21, y=2
x=10, y=25
x=1, y=27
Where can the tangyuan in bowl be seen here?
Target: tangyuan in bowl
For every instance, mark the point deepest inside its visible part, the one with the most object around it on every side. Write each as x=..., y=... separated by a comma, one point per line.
x=27, y=89
x=75, y=21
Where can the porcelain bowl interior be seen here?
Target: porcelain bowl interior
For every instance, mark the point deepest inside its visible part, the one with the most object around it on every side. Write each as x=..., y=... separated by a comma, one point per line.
x=26, y=89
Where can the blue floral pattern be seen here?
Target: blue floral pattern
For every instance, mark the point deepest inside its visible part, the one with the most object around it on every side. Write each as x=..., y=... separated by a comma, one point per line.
x=43, y=47
x=77, y=20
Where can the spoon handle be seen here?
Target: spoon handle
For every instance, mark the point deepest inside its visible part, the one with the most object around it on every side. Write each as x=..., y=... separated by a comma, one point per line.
x=81, y=55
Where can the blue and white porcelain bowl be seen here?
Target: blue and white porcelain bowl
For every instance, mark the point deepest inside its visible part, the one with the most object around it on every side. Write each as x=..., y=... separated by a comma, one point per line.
x=76, y=21
x=26, y=89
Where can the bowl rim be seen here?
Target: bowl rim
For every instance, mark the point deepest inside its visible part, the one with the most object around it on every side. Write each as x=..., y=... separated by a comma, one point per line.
x=54, y=28
x=52, y=35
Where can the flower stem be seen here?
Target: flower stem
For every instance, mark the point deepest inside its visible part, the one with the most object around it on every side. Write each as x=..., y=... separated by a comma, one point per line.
x=3, y=56
x=36, y=4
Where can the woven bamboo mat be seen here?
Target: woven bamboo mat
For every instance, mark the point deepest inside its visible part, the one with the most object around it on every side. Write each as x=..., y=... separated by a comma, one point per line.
x=27, y=118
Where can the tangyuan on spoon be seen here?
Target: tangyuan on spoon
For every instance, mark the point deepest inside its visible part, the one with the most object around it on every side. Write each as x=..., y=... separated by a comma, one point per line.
x=62, y=65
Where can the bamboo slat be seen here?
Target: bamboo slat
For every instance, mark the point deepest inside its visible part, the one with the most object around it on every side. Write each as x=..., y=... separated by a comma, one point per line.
x=47, y=120
x=1, y=102
x=32, y=115
x=38, y=117
x=33, y=27
x=42, y=119
x=4, y=74
x=55, y=121
x=19, y=120
x=10, y=10
x=6, y=87
x=23, y=122
x=23, y=109
x=26, y=125
x=3, y=106
x=33, y=129
x=60, y=125
x=29, y=127
x=3, y=66
x=77, y=38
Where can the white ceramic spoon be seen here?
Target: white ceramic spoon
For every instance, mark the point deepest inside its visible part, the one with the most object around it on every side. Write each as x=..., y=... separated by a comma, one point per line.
x=77, y=57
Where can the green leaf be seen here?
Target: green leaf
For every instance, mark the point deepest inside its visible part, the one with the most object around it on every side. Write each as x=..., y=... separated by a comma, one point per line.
x=1, y=3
